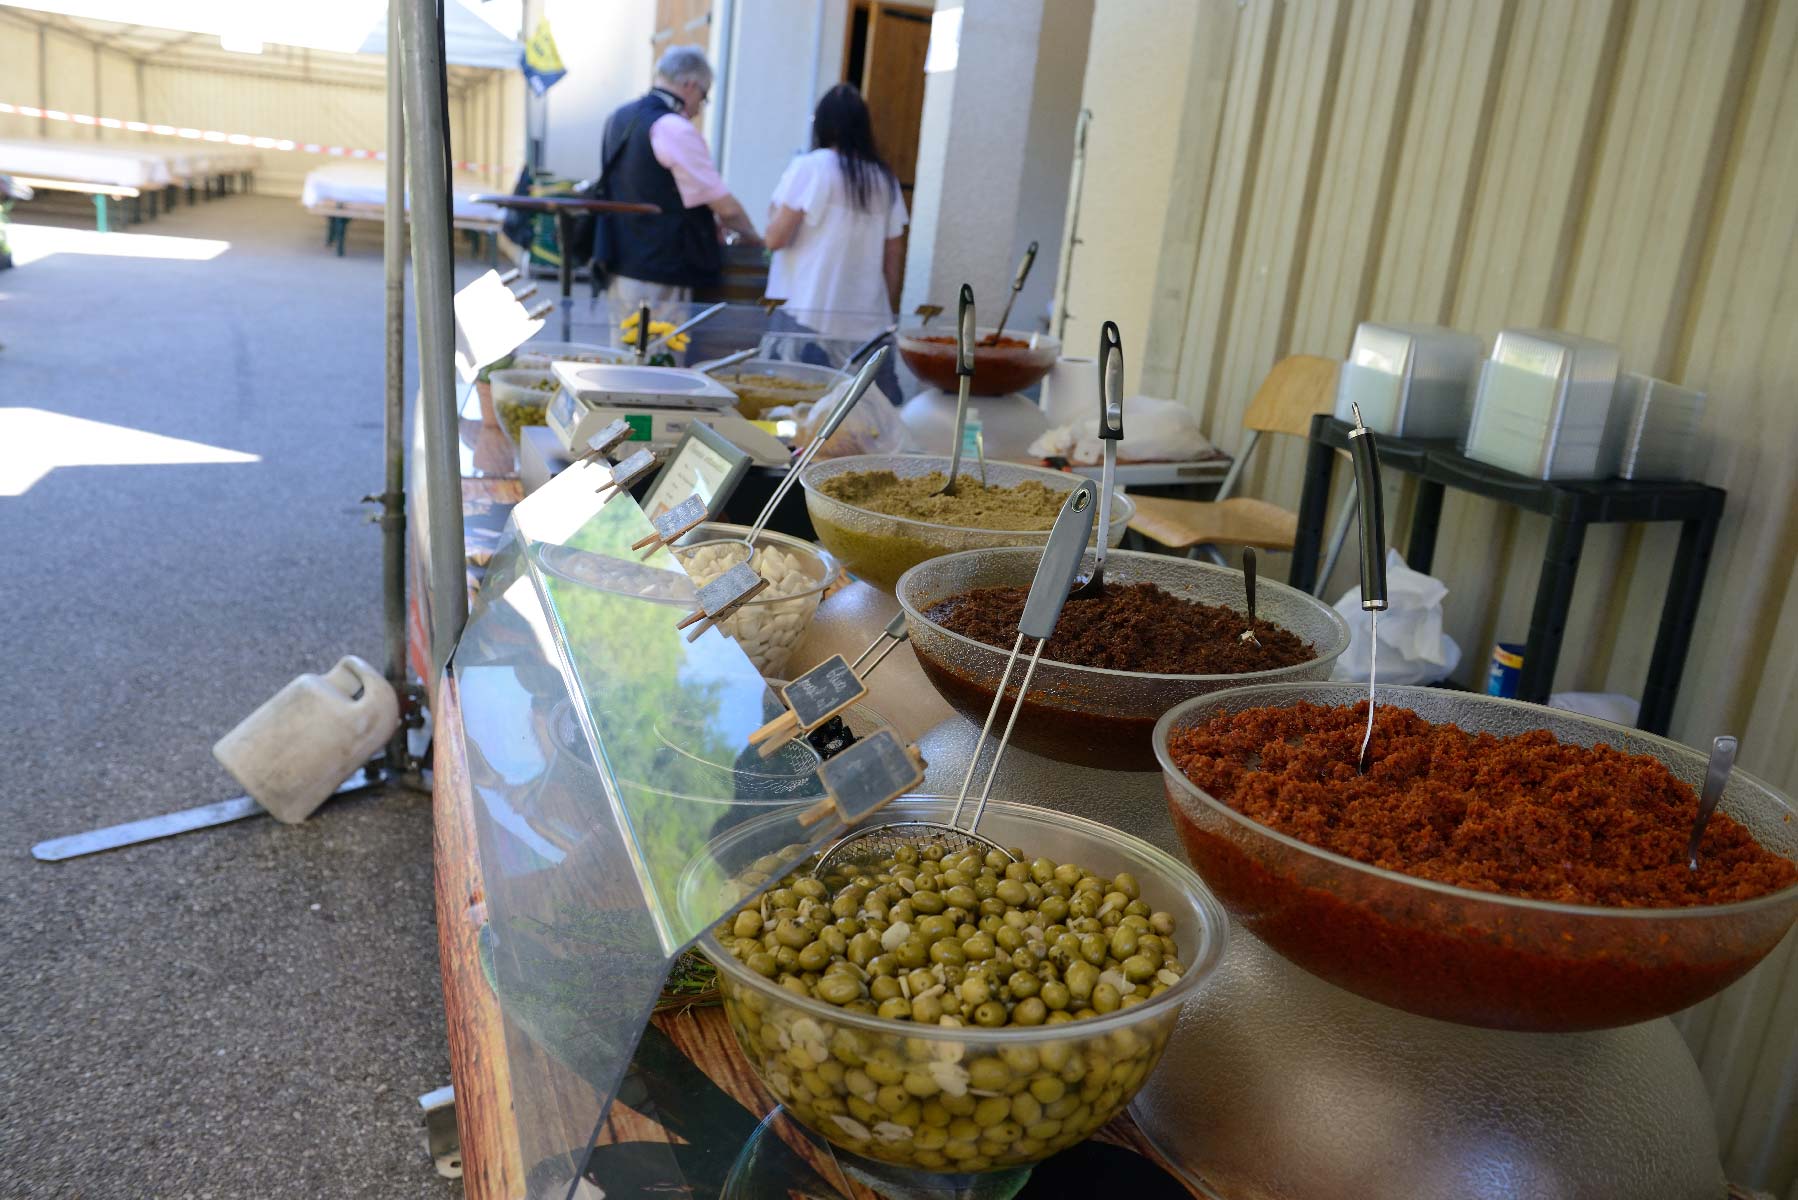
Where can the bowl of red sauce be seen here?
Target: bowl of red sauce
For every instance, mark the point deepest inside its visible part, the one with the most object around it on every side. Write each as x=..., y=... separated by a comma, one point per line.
x=1165, y=629
x=1012, y=363
x=1500, y=864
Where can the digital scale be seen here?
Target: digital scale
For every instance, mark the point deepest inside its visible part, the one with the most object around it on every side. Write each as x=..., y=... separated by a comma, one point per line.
x=658, y=403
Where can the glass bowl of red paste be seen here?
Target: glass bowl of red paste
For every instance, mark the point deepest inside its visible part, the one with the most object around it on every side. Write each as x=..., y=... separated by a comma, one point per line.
x=1091, y=715
x=1015, y=361
x=1501, y=864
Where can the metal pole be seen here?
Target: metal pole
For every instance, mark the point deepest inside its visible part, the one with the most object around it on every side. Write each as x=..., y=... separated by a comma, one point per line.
x=433, y=275
x=393, y=498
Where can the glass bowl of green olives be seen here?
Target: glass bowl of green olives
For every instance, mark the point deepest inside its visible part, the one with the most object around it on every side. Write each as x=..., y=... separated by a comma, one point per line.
x=950, y=1009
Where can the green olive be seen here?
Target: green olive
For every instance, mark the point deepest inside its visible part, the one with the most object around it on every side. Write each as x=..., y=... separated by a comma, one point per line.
x=838, y=989
x=896, y=1008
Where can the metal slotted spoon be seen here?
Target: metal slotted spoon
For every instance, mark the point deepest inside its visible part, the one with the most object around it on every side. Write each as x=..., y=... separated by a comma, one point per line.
x=1048, y=592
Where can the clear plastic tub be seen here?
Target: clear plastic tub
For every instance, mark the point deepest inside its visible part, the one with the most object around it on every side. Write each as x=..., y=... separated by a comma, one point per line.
x=1410, y=380
x=1544, y=405
x=1099, y=1063
x=998, y=370
x=1089, y=715
x=880, y=548
x=1478, y=958
x=768, y=627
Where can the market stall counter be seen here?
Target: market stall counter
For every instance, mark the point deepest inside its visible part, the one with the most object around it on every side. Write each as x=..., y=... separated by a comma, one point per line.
x=598, y=801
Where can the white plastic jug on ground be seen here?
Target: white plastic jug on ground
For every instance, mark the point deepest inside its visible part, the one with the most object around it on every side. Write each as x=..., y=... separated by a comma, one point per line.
x=291, y=753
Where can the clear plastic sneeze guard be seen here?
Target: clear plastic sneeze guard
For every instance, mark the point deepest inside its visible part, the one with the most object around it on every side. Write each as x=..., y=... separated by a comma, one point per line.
x=608, y=756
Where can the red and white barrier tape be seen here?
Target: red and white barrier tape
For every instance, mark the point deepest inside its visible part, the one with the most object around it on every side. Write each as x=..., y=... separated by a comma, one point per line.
x=213, y=135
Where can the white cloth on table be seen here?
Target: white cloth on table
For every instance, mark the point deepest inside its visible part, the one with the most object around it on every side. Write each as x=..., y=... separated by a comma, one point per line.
x=364, y=182
x=833, y=264
x=85, y=162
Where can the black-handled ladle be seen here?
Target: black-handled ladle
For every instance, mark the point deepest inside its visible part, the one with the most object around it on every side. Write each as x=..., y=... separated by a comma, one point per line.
x=1373, y=559
x=1017, y=285
x=1248, y=587
x=1716, y=778
x=1111, y=432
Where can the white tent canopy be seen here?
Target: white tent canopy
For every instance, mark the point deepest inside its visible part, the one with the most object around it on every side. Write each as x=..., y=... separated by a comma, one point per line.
x=475, y=31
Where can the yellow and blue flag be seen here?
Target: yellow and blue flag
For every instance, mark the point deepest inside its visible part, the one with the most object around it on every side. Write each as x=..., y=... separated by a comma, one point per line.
x=541, y=63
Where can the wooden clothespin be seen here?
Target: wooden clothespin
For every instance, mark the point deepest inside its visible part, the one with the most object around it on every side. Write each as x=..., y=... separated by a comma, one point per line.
x=626, y=473
x=824, y=691
x=672, y=524
x=865, y=778
x=607, y=439
x=812, y=699
x=723, y=596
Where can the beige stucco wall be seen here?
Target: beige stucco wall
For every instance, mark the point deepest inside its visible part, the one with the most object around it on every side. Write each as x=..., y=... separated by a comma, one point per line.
x=1139, y=59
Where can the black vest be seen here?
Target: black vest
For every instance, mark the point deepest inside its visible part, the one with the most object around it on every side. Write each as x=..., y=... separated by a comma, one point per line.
x=678, y=245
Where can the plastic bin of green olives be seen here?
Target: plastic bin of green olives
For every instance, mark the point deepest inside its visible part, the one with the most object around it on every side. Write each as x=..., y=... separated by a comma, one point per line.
x=953, y=1009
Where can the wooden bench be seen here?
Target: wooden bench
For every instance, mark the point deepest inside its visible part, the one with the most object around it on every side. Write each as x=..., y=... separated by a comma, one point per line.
x=339, y=213
x=101, y=193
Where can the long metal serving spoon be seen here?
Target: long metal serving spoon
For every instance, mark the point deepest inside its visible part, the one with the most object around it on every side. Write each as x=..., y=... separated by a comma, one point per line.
x=1373, y=560
x=684, y=326
x=1017, y=285
x=1111, y=432
x=863, y=380
x=1042, y=609
x=964, y=377
x=1716, y=778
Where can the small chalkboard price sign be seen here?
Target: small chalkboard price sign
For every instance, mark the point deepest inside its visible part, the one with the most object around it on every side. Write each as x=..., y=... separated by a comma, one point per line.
x=862, y=779
x=672, y=524
x=626, y=473
x=607, y=439
x=719, y=598
x=812, y=699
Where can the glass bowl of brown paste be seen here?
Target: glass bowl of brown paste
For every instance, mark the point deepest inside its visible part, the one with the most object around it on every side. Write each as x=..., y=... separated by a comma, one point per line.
x=1500, y=864
x=880, y=514
x=1164, y=629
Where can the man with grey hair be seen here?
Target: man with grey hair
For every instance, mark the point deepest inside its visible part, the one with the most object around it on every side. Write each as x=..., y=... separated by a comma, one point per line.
x=653, y=152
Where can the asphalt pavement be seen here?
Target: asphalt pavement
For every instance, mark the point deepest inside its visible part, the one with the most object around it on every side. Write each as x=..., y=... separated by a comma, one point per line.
x=251, y=1010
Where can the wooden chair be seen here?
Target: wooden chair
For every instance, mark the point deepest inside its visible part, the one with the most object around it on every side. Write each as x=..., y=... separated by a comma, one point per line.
x=1298, y=387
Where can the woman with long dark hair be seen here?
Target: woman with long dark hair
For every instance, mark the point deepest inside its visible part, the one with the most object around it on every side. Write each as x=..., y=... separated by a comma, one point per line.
x=837, y=222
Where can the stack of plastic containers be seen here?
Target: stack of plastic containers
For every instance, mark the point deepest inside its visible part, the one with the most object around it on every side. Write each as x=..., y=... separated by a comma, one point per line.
x=1544, y=406
x=1654, y=426
x=1412, y=381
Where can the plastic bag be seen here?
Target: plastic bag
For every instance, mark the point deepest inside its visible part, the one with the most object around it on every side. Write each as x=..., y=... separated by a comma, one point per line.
x=1155, y=430
x=872, y=426
x=1413, y=648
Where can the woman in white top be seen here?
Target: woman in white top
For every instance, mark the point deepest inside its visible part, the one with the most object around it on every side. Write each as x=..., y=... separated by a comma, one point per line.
x=836, y=223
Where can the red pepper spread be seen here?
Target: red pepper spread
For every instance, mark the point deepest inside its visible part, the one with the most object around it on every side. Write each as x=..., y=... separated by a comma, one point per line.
x=1525, y=815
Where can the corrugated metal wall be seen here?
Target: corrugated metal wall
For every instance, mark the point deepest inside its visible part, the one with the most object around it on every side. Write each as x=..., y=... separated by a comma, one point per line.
x=1626, y=169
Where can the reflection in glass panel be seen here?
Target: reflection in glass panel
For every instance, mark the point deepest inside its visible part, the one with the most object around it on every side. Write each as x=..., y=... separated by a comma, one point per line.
x=607, y=756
